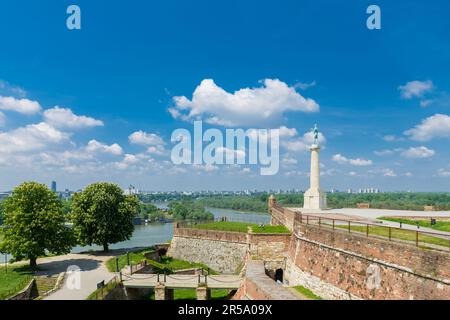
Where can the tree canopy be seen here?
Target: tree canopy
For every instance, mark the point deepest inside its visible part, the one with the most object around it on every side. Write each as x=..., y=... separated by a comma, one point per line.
x=34, y=223
x=103, y=215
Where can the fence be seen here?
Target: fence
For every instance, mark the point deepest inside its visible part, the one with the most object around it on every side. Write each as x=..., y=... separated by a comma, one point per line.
x=420, y=238
x=17, y=289
x=104, y=289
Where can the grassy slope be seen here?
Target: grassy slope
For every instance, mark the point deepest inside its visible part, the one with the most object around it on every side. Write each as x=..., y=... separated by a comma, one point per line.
x=14, y=280
x=307, y=293
x=440, y=225
x=167, y=264
x=241, y=227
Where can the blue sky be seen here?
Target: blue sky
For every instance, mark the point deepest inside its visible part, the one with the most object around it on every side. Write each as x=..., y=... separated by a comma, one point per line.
x=382, y=96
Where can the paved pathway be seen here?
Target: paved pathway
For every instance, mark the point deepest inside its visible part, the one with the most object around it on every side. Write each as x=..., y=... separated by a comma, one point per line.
x=90, y=270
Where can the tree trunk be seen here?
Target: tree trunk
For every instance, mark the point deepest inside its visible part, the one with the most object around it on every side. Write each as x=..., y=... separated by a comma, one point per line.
x=105, y=247
x=33, y=263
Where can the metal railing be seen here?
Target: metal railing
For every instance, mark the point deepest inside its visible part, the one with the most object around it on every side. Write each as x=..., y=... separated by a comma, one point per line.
x=105, y=288
x=420, y=238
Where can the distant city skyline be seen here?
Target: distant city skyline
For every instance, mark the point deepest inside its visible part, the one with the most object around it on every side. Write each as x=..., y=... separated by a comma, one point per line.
x=101, y=103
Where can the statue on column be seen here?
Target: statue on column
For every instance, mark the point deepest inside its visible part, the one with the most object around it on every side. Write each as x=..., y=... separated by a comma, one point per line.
x=315, y=132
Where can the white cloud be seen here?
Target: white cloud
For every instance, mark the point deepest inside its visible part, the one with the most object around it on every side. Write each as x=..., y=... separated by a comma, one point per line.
x=287, y=132
x=7, y=89
x=2, y=119
x=415, y=89
x=30, y=138
x=443, y=173
x=418, y=152
x=436, y=126
x=302, y=143
x=392, y=138
x=305, y=85
x=288, y=161
x=23, y=106
x=65, y=118
x=388, y=173
x=354, y=162
x=248, y=106
x=95, y=146
x=144, y=138
x=385, y=152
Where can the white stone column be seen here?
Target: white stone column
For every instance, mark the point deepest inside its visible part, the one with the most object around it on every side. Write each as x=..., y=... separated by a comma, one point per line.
x=315, y=168
x=314, y=198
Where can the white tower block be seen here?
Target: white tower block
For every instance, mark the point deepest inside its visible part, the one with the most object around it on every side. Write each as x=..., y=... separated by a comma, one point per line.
x=314, y=198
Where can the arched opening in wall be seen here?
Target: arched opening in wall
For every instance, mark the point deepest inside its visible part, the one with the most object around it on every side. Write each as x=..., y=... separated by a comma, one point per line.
x=279, y=275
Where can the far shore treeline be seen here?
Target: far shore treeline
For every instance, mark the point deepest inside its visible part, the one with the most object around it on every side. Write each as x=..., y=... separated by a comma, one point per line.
x=258, y=202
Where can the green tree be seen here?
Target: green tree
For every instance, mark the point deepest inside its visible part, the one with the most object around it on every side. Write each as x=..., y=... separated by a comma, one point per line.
x=103, y=215
x=34, y=223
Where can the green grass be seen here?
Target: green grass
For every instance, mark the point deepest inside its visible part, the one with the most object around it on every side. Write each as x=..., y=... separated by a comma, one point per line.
x=407, y=235
x=14, y=280
x=307, y=293
x=191, y=294
x=440, y=225
x=135, y=258
x=104, y=291
x=167, y=264
x=240, y=227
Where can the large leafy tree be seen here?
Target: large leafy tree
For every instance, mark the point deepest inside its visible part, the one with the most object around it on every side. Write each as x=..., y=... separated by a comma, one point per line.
x=34, y=223
x=103, y=215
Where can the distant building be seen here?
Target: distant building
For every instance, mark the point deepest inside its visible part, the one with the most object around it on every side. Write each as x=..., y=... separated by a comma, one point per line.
x=53, y=186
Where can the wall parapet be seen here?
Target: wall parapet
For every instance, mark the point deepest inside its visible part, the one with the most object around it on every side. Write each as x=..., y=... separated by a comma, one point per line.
x=216, y=235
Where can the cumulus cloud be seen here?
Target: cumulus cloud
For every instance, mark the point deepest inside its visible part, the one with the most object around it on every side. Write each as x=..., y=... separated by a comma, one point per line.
x=302, y=143
x=413, y=152
x=418, y=152
x=248, y=106
x=415, y=89
x=144, y=138
x=443, y=173
x=6, y=89
x=65, y=118
x=389, y=173
x=436, y=126
x=30, y=138
x=96, y=146
x=354, y=162
x=23, y=106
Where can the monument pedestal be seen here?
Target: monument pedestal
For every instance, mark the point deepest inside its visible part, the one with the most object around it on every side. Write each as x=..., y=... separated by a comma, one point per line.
x=315, y=199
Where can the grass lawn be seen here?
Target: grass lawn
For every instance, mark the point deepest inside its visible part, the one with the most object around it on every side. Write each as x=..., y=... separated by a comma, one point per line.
x=240, y=227
x=135, y=258
x=407, y=235
x=191, y=294
x=167, y=264
x=307, y=293
x=14, y=280
x=440, y=225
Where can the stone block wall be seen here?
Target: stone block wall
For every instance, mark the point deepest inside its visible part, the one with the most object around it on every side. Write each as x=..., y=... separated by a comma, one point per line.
x=224, y=252
x=340, y=265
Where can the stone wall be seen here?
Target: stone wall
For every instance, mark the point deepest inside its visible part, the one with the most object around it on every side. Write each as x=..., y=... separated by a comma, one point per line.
x=340, y=265
x=270, y=248
x=258, y=286
x=222, y=251
x=28, y=293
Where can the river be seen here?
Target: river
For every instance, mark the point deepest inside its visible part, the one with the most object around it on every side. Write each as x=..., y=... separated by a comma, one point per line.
x=152, y=233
